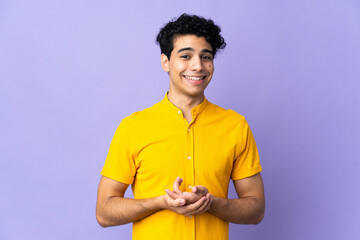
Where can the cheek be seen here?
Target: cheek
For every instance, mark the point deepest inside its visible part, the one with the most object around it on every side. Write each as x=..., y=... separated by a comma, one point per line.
x=180, y=67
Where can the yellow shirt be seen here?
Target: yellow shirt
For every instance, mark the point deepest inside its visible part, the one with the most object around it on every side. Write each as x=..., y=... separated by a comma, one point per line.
x=152, y=147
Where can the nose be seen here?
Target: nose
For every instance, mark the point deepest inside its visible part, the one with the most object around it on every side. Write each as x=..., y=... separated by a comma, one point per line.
x=197, y=64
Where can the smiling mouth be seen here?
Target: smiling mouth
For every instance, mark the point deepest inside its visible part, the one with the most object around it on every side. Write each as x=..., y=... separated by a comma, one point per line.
x=194, y=78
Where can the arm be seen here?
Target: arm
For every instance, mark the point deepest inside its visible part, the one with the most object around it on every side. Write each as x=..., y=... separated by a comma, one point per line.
x=190, y=197
x=113, y=209
x=248, y=208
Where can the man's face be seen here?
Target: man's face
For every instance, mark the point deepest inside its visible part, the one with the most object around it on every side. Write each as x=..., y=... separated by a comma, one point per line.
x=190, y=66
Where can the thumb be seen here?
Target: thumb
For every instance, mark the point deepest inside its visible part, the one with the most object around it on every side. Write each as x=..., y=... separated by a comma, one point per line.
x=171, y=194
x=180, y=202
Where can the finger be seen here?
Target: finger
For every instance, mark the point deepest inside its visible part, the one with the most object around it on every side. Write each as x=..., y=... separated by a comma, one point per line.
x=201, y=208
x=204, y=207
x=209, y=196
x=177, y=184
x=194, y=189
x=191, y=208
x=190, y=197
x=211, y=201
x=202, y=190
x=178, y=202
x=172, y=194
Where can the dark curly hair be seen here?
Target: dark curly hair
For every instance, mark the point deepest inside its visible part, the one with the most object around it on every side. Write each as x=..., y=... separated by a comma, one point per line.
x=190, y=24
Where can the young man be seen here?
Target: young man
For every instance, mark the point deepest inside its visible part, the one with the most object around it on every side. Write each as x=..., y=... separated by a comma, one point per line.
x=185, y=143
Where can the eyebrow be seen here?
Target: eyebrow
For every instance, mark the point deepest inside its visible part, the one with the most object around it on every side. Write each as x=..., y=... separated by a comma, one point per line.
x=191, y=49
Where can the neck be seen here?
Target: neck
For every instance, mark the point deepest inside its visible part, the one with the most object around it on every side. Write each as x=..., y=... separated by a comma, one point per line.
x=185, y=102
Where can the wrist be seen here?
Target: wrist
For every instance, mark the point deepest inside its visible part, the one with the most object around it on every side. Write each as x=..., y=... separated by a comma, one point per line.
x=154, y=204
x=161, y=202
x=217, y=203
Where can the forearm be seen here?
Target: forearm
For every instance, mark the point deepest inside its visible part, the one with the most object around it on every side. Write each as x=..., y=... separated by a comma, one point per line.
x=248, y=210
x=118, y=210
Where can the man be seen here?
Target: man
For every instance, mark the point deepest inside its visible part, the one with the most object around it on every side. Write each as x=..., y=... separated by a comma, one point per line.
x=185, y=143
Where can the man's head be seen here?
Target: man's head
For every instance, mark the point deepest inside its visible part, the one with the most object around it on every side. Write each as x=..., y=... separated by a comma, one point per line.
x=190, y=25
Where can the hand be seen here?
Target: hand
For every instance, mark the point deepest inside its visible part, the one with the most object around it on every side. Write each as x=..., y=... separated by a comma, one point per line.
x=178, y=205
x=190, y=197
x=187, y=203
x=200, y=190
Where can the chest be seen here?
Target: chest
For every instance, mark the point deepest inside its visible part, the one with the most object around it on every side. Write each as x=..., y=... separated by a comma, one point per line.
x=197, y=153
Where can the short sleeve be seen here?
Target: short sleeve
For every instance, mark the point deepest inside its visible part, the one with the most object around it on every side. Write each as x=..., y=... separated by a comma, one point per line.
x=119, y=164
x=247, y=162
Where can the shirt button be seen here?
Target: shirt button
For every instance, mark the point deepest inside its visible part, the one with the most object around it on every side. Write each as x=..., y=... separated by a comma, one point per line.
x=189, y=157
x=190, y=187
x=190, y=216
x=179, y=112
x=188, y=129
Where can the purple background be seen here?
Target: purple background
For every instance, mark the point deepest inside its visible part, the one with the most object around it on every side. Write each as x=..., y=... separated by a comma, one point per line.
x=71, y=70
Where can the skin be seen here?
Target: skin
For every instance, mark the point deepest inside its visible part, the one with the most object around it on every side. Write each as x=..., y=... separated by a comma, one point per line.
x=113, y=209
x=191, y=59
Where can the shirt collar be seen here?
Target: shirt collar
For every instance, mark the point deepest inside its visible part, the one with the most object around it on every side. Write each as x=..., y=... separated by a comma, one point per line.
x=175, y=110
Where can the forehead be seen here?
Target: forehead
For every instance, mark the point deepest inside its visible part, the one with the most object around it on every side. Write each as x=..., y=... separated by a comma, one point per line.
x=190, y=41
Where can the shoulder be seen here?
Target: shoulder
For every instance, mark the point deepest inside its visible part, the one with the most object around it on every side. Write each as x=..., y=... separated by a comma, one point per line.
x=225, y=114
x=139, y=117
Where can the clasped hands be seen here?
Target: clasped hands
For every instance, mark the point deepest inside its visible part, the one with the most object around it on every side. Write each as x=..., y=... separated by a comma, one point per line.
x=188, y=203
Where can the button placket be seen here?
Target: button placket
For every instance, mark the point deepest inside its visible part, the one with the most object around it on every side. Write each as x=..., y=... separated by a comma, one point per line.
x=190, y=173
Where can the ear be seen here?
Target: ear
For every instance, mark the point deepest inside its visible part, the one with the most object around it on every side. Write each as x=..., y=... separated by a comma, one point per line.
x=165, y=63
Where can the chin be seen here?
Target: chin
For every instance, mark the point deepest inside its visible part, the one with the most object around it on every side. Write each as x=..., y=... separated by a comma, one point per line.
x=196, y=93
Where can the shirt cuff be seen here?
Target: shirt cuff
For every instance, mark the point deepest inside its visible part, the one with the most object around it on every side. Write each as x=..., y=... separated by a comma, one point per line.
x=240, y=174
x=126, y=180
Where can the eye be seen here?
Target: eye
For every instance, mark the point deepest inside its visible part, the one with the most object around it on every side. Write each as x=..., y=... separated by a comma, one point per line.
x=207, y=58
x=185, y=56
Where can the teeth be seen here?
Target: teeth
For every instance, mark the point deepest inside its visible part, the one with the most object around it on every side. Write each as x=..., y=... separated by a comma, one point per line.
x=194, y=78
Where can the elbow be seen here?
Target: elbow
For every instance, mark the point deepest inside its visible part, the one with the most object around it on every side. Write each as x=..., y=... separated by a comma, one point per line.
x=258, y=220
x=254, y=220
x=105, y=222
x=101, y=221
x=101, y=216
x=260, y=214
x=259, y=217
